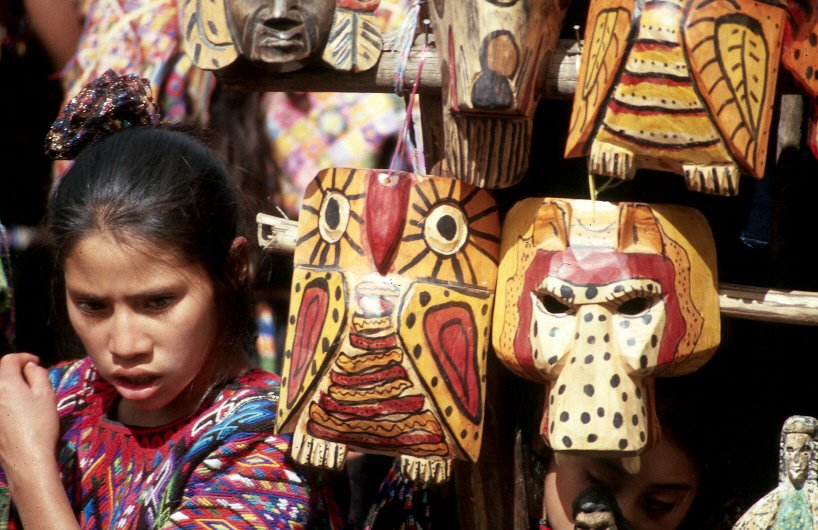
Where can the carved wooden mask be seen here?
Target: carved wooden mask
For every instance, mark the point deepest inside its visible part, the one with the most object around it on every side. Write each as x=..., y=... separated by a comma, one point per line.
x=800, y=54
x=284, y=35
x=685, y=86
x=800, y=57
x=491, y=55
x=595, y=299
x=390, y=309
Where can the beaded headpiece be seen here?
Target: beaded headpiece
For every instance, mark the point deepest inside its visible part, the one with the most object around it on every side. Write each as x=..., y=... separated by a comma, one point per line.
x=106, y=105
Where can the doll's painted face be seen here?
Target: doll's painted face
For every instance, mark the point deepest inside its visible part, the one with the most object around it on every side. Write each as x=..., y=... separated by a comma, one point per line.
x=281, y=32
x=796, y=454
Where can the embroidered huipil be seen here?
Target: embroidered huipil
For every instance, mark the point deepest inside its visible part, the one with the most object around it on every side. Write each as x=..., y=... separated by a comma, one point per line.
x=220, y=467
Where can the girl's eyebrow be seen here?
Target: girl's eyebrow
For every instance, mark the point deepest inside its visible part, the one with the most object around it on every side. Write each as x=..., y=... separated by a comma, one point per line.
x=74, y=293
x=151, y=293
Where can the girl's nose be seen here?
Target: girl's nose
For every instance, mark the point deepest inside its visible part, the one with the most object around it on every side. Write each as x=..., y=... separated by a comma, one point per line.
x=126, y=339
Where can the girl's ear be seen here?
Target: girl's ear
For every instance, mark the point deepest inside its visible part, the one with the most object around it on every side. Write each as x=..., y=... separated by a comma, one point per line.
x=239, y=260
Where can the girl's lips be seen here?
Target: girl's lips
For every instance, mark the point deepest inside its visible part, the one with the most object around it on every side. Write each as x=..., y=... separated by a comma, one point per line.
x=135, y=382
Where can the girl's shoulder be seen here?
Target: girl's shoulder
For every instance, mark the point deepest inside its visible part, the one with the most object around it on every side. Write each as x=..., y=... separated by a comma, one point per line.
x=245, y=406
x=76, y=383
x=78, y=375
x=254, y=385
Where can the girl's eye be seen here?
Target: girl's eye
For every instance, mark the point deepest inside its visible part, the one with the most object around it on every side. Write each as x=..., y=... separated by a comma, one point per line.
x=657, y=507
x=89, y=306
x=159, y=302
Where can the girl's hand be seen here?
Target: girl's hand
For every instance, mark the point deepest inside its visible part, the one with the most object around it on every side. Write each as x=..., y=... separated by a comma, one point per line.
x=29, y=426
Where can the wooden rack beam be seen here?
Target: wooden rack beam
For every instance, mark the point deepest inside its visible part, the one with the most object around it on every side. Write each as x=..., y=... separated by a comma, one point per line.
x=278, y=235
x=559, y=78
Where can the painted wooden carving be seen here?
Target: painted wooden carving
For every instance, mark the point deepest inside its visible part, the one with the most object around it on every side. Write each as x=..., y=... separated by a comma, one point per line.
x=491, y=56
x=355, y=40
x=595, y=299
x=596, y=509
x=793, y=505
x=685, y=86
x=282, y=35
x=389, y=319
x=800, y=56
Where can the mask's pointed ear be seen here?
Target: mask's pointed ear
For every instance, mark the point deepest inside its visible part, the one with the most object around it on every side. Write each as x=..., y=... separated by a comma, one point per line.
x=551, y=226
x=239, y=264
x=638, y=230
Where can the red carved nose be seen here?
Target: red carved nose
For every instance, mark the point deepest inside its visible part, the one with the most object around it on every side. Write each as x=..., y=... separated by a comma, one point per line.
x=387, y=196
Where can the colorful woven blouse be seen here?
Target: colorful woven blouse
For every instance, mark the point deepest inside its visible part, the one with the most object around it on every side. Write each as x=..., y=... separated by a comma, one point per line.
x=220, y=467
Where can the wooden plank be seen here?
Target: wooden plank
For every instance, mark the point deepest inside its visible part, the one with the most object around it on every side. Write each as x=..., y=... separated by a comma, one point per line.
x=559, y=82
x=738, y=301
x=769, y=305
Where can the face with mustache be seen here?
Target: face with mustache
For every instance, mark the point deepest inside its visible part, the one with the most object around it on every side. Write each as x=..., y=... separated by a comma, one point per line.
x=281, y=32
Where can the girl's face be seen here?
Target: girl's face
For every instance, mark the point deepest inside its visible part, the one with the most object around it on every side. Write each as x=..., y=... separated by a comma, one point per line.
x=148, y=320
x=656, y=498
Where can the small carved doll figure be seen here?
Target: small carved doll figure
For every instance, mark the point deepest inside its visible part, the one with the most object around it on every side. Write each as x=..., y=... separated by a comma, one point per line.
x=685, y=86
x=793, y=505
x=596, y=509
x=594, y=299
x=388, y=329
x=281, y=34
x=491, y=56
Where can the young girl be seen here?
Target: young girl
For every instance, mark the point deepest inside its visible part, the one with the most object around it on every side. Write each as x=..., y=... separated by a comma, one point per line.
x=164, y=424
x=679, y=483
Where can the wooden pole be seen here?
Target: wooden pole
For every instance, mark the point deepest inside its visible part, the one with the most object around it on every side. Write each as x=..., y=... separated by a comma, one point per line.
x=560, y=77
x=277, y=235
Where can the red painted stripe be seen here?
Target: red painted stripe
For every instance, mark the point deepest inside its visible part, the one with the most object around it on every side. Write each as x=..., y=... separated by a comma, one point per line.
x=376, y=343
x=632, y=80
x=652, y=45
x=372, y=440
x=378, y=376
x=368, y=410
x=651, y=111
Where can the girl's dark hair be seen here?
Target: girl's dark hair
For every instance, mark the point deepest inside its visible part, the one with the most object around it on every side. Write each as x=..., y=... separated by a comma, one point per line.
x=162, y=187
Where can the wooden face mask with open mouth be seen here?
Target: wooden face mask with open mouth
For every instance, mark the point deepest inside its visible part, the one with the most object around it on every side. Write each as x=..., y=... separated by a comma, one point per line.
x=282, y=35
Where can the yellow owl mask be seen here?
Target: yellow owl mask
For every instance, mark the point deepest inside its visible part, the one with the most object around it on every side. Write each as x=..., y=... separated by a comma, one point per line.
x=389, y=318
